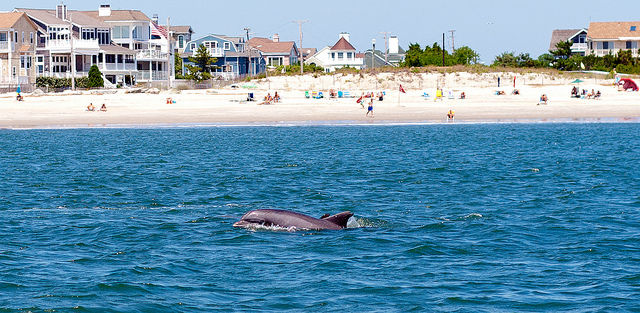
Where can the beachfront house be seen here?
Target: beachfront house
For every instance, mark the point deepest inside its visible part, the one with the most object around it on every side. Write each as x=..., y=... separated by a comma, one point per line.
x=132, y=29
x=233, y=57
x=17, y=49
x=68, y=43
x=275, y=52
x=181, y=35
x=577, y=36
x=611, y=37
x=394, y=55
x=340, y=55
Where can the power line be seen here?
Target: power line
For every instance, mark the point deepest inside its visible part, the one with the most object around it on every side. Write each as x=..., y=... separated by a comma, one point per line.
x=386, y=46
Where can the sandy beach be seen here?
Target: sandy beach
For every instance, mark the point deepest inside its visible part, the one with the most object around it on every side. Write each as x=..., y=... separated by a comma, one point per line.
x=226, y=106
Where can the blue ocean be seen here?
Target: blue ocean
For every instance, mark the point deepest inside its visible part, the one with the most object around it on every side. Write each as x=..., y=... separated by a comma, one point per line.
x=524, y=217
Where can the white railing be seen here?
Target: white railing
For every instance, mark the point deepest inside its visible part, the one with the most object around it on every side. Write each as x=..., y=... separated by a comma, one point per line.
x=215, y=52
x=14, y=80
x=345, y=61
x=65, y=44
x=579, y=47
x=118, y=66
x=152, y=55
x=5, y=47
x=155, y=75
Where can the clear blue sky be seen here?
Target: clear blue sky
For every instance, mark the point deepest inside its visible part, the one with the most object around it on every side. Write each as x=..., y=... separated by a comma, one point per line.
x=489, y=27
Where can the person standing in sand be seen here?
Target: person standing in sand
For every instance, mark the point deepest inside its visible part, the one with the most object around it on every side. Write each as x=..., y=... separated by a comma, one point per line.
x=103, y=108
x=370, y=108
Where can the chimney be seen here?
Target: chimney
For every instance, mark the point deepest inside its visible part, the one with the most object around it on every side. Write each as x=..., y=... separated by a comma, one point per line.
x=61, y=11
x=105, y=10
x=394, y=46
x=346, y=36
x=276, y=38
x=155, y=19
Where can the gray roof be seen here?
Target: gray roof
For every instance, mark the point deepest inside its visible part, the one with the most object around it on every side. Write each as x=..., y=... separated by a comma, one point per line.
x=48, y=17
x=559, y=35
x=116, y=49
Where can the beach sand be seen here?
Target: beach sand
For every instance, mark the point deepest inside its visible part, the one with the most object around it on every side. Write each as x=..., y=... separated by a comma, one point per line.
x=226, y=106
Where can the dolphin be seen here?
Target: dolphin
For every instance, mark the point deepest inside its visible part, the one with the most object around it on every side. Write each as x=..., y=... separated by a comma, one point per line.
x=288, y=219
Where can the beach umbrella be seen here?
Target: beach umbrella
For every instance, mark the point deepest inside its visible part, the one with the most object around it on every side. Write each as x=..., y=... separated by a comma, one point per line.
x=18, y=90
x=577, y=81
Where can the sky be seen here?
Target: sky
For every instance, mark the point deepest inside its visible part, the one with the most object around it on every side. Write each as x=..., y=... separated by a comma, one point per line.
x=489, y=27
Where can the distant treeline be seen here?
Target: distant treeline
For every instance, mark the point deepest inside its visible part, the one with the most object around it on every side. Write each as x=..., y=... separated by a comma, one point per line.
x=561, y=59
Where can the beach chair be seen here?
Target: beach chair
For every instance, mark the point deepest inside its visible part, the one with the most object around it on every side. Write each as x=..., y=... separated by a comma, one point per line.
x=340, y=94
x=347, y=95
x=320, y=95
x=451, y=96
x=250, y=97
x=426, y=96
x=306, y=94
x=314, y=94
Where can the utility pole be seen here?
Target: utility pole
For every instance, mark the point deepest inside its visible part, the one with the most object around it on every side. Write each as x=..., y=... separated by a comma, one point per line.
x=73, y=56
x=453, y=45
x=443, y=50
x=300, y=22
x=386, y=47
x=247, y=30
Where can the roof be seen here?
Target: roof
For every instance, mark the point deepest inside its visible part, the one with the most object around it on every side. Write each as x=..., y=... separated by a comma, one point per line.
x=343, y=44
x=559, y=35
x=119, y=15
x=268, y=46
x=7, y=20
x=180, y=29
x=116, y=49
x=49, y=17
x=614, y=30
x=312, y=51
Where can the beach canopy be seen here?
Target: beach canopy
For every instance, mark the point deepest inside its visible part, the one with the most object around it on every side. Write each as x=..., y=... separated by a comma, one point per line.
x=628, y=84
x=577, y=81
x=249, y=86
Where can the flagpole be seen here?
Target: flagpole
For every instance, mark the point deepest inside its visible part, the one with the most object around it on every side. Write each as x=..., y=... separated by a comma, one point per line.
x=399, y=93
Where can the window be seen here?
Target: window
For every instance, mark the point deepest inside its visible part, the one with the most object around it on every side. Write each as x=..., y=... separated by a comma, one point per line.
x=22, y=37
x=129, y=59
x=333, y=55
x=120, y=59
x=15, y=37
x=117, y=32
x=103, y=37
x=632, y=45
x=88, y=34
x=275, y=61
x=633, y=28
x=227, y=46
x=31, y=35
x=340, y=55
x=211, y=44
x=349, y=55
x=125, y=31
x=193, y=46
x=181, y=41
x=3, y=36
x=605, y=45
x=110, y=58
x=135, y=32
x=40, y=59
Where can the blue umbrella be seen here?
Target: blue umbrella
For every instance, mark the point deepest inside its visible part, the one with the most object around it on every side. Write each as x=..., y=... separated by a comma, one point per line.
x=18, y=89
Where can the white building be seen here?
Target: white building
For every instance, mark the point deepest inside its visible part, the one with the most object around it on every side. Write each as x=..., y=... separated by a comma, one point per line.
x=341, y=55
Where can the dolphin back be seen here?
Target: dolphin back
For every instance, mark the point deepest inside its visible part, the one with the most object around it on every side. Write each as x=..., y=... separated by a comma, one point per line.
x=339, y=219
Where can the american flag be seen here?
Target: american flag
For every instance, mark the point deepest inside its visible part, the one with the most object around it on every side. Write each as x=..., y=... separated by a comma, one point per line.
x=402, y=89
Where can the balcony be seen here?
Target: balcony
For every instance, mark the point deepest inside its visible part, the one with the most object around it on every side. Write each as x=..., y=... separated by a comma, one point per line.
x=117, y=67
x=579, y=47
x=6, y=46
x=64, y=45
x=215, y=52
x=152, y=55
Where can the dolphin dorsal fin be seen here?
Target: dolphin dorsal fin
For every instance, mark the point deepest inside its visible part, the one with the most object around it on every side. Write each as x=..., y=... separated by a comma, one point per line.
x=340, y=219
x=324, y=216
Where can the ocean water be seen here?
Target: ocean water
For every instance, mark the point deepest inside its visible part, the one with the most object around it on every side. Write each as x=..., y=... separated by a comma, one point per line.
x=448, y=218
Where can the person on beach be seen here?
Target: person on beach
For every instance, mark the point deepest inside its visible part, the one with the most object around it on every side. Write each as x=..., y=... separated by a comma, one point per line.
x=19, y=97
x=103, y=108
x=380, y=96
x=463, y=95
x=451, y=116
x=597, y=96
x=543, y=99
x=370, y=109
x=515, y=92
x=90, y=107
x=361, y=100
x=438, y=95
x=276, y=97
x=169, y=100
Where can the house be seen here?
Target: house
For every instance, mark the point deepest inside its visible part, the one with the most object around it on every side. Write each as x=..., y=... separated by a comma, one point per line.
x=340, y=55
x=394, y=56
x=233, y=57
x=275, y=52
x=69, y=42
x=182, y=35
x=577, y=36
x=18, y=36
x=611, y=37
x=132, y=29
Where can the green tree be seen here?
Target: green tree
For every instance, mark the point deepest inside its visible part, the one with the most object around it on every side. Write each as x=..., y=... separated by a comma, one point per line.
x=201, y=68
x=506, y=59
x=563, y=50
x=95, y=78
x=465, y=56
x=178, y=66
x=412, y=56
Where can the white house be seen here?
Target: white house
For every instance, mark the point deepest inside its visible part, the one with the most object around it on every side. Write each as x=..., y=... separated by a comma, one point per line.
x=341, y=55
